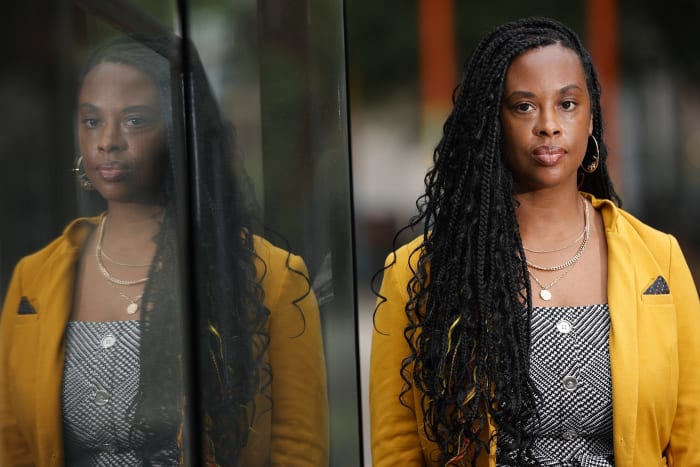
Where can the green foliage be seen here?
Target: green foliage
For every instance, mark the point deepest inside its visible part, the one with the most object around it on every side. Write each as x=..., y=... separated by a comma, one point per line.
x=382, y=46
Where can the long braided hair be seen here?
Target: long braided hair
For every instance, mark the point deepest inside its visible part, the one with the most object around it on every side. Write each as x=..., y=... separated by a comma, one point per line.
x=470, y=300
x=231, y=319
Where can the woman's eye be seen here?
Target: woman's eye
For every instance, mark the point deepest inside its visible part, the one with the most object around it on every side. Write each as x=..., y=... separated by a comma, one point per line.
x=524, y=107
x=568, y=105
x=91, y=122
x=135, y=121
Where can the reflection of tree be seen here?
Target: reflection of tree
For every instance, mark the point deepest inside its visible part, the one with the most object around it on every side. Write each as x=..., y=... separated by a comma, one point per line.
x=36, y=143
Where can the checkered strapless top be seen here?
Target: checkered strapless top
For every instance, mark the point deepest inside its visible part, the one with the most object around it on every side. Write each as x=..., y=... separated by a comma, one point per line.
x=100, y=384
x=570, y=366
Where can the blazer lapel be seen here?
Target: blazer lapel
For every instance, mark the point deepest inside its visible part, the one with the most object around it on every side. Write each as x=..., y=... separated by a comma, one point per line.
x=624, y=355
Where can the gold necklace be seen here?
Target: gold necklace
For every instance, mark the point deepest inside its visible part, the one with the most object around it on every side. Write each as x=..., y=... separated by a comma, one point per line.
x=573, y=260
x=100, y=264
x=104, y=255
x=568, y=245
x=133, y=305
x=545, y=294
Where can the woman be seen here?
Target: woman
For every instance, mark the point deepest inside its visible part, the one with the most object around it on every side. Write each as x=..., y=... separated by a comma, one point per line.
x=534, y=322
x=92, y=361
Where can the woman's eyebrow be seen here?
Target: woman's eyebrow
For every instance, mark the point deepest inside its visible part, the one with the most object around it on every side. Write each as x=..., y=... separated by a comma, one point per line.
x=527, y=94
x=138, y=108
x=570, y=87
x=87, y=106
x=530, y=95
x=132, y=108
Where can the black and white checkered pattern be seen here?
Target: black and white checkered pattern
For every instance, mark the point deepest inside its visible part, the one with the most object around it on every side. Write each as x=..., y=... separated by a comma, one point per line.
x=570, y=366
x=658, y=287
x=100, y=383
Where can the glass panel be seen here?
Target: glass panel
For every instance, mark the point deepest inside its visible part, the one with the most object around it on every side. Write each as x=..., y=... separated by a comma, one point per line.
x=278, y=70
x=246, y=244
x=111, y=350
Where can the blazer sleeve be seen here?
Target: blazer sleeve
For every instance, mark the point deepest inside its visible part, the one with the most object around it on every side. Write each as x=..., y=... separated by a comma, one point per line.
x=300, y=402
x=684, y=446
x=14, y=448
x=394, y=432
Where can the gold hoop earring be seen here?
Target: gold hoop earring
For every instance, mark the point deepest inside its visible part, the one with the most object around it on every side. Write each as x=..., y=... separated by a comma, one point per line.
x=593, y=166
x=79, y=171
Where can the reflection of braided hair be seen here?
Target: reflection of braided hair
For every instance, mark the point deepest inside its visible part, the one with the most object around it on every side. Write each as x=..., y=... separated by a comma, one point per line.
x=469, y=317
x=228, y=298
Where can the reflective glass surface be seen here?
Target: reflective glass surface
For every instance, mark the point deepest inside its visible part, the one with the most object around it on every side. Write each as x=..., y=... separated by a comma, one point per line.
x=209, y=287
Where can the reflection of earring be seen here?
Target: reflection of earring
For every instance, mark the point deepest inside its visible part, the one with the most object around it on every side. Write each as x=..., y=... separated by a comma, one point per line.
x=590, y=168
x=79, y=171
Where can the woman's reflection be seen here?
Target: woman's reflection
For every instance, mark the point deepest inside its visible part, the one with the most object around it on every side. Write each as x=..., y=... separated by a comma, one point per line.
x=91, y=348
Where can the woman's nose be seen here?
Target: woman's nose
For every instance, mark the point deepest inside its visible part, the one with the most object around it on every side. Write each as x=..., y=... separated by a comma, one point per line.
x=547, y=123
x=112, y=139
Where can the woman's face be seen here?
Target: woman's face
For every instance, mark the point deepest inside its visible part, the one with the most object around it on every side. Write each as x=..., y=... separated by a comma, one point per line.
x=546, y=118
x=121, y=131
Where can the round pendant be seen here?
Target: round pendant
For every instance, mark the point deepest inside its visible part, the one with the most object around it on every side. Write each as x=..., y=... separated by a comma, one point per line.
x=132, y=308
x=546, y=295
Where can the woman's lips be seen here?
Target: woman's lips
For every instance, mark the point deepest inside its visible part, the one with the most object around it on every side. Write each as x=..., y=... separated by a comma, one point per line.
x=548, y=155
x=112, y=172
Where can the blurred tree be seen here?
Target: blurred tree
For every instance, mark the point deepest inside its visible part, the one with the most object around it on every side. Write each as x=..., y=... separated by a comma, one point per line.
x=656, y=33
x=382, y=46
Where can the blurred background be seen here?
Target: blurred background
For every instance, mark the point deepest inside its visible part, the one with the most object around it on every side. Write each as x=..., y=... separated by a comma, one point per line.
x=404, y=59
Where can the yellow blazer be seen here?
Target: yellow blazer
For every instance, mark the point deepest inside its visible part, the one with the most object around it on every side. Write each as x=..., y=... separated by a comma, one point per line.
x=654, y=356
x=32, y=351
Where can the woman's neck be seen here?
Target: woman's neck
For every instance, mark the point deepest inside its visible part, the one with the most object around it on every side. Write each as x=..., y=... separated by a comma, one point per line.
x=547, y=219
x=130, y=228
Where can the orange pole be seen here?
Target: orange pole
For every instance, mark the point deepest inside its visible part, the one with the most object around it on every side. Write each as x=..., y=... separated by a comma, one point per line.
x=602, y=40
x=436, y=32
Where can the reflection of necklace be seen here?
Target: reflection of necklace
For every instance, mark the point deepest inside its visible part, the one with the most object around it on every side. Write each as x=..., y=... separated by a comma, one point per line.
x=104, y=255
x=571, y=261
x=101, y=265
x=133, y=305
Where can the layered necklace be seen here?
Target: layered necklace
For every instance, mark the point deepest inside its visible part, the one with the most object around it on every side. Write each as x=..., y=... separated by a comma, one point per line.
x=133, y=303
x=567, y=266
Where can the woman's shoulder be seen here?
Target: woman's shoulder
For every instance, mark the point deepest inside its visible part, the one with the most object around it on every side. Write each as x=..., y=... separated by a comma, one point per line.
x=637, y=236
x=272, y=255
x=285, y=281
x=622, y=222
x=69, y=241
x=406, y=256
x=277, y=267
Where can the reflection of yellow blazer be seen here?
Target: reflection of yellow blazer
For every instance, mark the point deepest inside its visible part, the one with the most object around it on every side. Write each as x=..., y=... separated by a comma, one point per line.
x=654, y=354
x=32, y=351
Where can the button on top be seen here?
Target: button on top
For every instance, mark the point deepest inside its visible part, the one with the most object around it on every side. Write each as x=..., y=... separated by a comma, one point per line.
x=564, y=326
x=570, y=383
x=569, y=435
x=101, y=397
x=107, y=341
